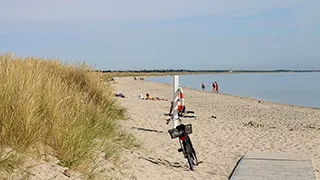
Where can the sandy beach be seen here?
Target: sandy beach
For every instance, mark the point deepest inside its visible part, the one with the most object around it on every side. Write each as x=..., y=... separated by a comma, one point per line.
x=240, y=125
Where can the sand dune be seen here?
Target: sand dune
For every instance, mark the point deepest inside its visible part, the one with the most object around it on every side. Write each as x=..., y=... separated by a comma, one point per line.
x=241, y=125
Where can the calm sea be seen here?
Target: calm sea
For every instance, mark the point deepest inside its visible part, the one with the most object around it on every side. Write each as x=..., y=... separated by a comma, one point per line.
x=302, y=89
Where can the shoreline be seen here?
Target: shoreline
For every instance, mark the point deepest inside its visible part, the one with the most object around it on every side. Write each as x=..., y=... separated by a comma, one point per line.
x=162, y=74
x=241, y=125
x=238, y=96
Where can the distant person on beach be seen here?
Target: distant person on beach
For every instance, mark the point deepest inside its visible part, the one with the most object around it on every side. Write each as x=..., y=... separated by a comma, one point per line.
x=213, y=87
x=148, y=97
x=217, y=86
x=203, y=86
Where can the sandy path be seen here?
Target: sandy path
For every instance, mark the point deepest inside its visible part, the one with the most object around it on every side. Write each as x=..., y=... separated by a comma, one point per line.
x=241, y=125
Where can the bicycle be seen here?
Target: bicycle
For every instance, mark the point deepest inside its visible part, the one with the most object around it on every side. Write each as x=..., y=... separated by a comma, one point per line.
x=182, y=132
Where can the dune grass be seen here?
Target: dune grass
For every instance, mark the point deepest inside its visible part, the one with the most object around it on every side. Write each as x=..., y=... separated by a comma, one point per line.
x=66, y=107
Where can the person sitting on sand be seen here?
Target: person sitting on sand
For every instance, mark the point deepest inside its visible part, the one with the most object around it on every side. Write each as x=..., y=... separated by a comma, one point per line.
x=148, y=97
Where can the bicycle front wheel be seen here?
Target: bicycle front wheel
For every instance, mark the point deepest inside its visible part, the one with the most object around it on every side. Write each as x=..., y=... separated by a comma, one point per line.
x=190, y=155
x=195, y=159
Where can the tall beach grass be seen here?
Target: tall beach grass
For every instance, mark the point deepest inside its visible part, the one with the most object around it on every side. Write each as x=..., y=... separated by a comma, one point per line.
x=67, y=108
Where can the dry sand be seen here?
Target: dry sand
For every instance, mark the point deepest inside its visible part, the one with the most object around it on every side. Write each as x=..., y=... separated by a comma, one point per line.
x=241, y=125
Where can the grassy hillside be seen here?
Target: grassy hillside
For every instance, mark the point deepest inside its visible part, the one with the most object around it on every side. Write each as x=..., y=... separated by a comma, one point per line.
x=68, y=109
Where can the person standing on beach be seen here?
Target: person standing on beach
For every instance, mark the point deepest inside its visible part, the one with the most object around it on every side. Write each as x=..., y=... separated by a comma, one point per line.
x=203, y=86
x=213, y=87
x=217, y=87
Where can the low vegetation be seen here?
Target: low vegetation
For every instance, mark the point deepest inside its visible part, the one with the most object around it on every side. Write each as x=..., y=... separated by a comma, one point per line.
x=67, y=108
x=109, y=75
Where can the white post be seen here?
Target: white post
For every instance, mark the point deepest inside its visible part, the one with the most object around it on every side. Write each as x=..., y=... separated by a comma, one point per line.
x=175, y=101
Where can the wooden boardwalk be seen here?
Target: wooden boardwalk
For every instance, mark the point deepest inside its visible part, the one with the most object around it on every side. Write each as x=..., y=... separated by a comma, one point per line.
x=273, y=166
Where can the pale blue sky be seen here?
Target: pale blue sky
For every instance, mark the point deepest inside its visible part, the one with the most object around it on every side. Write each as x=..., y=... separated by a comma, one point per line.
x=166, y=34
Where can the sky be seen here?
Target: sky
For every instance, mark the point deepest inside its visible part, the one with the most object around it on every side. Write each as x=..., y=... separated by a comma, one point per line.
x=165, y=34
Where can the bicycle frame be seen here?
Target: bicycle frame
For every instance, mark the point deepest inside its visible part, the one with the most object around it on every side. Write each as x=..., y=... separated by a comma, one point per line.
x=181, y=132
x=181, y=145
x=186, y=139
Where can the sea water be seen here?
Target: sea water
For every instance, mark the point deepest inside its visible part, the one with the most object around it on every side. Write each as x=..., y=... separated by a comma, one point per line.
x=301, y=89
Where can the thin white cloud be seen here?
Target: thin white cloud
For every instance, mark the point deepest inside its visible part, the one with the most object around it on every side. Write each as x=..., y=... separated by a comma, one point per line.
x=79, y=10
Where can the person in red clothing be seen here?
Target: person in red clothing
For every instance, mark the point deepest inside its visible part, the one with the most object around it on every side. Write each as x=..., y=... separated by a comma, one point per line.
x=213, y=87
x=217, y=87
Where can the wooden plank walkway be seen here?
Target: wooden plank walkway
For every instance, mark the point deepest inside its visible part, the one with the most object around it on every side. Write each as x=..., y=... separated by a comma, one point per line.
x=273, y=166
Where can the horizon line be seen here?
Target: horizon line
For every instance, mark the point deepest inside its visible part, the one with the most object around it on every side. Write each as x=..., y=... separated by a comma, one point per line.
x=222, y=70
